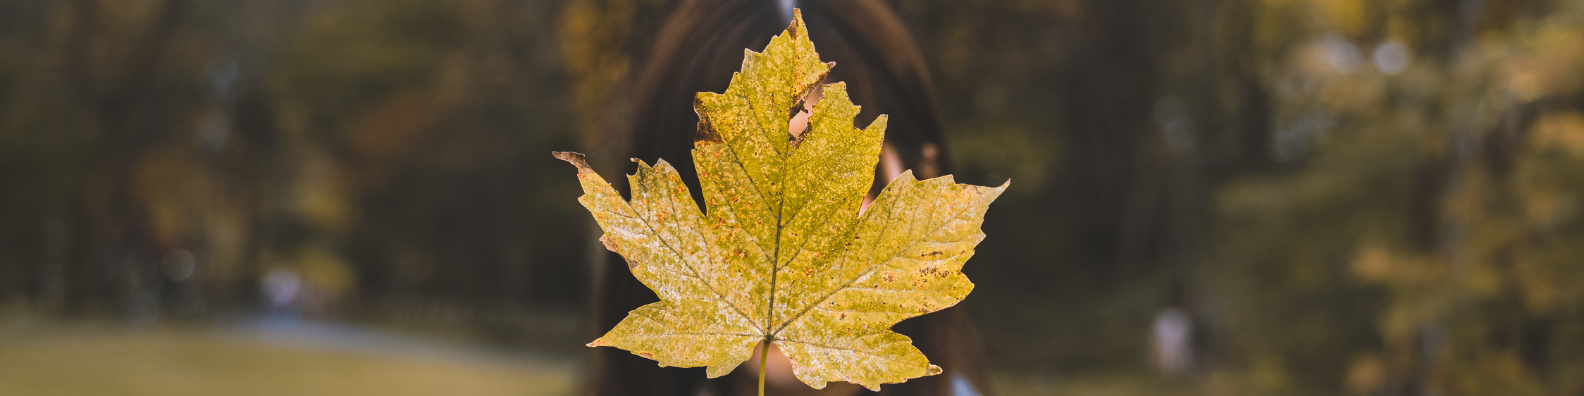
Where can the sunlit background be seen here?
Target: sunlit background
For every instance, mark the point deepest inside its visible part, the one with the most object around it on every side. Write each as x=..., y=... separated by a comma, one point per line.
x=1211, y=197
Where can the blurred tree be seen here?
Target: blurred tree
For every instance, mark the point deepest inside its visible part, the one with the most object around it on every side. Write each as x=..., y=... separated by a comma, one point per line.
x=389, y=152
x=95, y=68
x=1417, y=203
x=418, y=131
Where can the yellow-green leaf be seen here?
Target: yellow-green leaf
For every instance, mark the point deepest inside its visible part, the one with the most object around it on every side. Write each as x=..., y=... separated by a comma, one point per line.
x=782, y=253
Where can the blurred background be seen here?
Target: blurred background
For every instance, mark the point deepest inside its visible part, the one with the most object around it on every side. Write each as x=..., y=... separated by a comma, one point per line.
x=1217, y=197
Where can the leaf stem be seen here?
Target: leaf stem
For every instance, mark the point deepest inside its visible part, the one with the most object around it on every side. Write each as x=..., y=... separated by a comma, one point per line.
x=764, y=353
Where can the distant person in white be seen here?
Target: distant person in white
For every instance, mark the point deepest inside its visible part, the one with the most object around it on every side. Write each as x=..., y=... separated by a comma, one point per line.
x=1173, y=332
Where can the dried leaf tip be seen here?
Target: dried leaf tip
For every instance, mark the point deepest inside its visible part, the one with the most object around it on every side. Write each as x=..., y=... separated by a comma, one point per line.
x=575, y=158
x=796, y=25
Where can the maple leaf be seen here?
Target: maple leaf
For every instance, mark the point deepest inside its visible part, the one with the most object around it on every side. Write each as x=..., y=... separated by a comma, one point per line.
x=783, y=254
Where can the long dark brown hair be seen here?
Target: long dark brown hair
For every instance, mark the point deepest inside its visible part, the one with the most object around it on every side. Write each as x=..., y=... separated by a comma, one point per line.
x=698, y=49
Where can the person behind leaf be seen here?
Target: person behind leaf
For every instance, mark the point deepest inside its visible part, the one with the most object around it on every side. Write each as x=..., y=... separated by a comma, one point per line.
x=698, y=50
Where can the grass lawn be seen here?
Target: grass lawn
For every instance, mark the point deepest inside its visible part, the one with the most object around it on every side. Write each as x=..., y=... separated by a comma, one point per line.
x=347, y=361
x=180, y=361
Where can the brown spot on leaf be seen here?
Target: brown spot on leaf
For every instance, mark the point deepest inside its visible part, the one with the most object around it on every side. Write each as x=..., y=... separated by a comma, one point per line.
x=610, y=244
x=796, y=108
x=706, y=128
x=792, y=29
